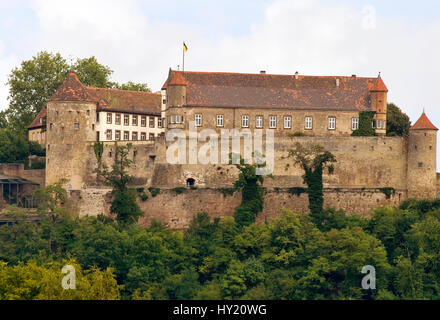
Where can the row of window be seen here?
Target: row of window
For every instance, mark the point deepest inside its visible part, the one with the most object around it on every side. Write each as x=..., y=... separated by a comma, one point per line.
x=125, y=135
x=37, y=136
x=134, y=120
x=259, y=120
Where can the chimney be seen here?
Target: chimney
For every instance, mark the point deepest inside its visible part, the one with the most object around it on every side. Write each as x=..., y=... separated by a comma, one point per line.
x=296, y=75
x=337, y=82
x=263, y=72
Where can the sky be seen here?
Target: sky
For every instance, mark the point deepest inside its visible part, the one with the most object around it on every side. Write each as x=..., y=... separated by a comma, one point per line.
x=141, y=40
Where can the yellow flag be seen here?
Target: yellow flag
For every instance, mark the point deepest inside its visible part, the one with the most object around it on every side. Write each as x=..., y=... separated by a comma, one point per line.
x=185, y=47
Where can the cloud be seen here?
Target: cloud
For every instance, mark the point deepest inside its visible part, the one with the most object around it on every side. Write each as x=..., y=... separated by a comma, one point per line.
x=313, y=37
x=7, y=63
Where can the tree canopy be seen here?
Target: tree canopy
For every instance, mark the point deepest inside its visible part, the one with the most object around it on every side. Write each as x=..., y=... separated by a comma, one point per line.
x=398, y=123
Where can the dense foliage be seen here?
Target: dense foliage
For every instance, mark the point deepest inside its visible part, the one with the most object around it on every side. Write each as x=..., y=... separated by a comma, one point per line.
x=286, y=258
x=397, y=121
x=365, y=124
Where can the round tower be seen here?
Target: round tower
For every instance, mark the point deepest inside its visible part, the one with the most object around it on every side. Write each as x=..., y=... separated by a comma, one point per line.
x=422, y=176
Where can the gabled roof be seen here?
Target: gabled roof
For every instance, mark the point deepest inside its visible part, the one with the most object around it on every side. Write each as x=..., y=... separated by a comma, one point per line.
x=423, y=124
x=221, y=89
x=114, y=100
x=40, y=120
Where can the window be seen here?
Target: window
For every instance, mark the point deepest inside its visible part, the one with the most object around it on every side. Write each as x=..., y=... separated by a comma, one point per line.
x=118, y=118
x=183, y=119
x=272, y=122
x=51, y=126
x=259, y=122
x=93, y=126
x=41, y=120
x=126, y=135
x=42, y=138
x=287, y=122
x=198, y=120
x=245, y=121
x=379, y=124
x=97, y=135
x=219, y=120
x=88, y=112
x=110, y=154
x=151, y=136
x=97, y=117
x=159, y=122
x=309, y=123
x=331, y=123
x=177, y=119
x=354, y=124
x=118, y=135
x=126, y=119
x=172, y=119
x=151, y=122
x=76, y=126
x=420, y=164
x=109, y=117
x=68, y=147
x=143, y=136
x=134, y=120
x=143, y=121
x=134, y=136
x=109, y=134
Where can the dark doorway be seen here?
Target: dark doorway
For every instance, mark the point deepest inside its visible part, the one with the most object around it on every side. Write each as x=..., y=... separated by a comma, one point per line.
x=190, y=182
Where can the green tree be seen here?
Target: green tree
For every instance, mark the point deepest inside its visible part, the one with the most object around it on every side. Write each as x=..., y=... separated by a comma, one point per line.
x=397, y=121
x=124, y=199
x=93, y=74
x=313, y=159
x=132, y=86
x=31, y=85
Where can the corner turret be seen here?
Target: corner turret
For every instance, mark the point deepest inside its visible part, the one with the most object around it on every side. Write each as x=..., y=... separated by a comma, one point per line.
x=422, y=176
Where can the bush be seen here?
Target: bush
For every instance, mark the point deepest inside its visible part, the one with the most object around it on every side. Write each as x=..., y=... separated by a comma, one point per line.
x=154, y=191
x=179, y=190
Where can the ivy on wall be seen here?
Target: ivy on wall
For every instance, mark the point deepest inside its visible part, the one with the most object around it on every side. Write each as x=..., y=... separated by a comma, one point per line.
x=365, y=125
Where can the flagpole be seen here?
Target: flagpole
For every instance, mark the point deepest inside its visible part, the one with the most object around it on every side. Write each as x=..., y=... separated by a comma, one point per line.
x=183, y=65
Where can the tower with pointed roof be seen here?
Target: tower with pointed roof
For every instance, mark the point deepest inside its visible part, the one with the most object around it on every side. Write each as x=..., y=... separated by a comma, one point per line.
x=379, y=94
x=422, y=176
x=71, y=118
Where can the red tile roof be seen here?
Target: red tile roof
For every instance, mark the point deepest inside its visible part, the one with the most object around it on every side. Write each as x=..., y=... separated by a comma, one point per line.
x=219, y=89
x=37, y=123
x=108, y=99
x=423, y=124
x=379, y=85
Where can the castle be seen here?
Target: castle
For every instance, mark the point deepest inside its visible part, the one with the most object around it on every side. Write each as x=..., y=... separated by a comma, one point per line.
x=370, y=170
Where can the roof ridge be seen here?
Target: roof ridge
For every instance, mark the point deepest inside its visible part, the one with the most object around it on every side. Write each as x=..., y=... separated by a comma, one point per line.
x=271, y=74
x=122, y=90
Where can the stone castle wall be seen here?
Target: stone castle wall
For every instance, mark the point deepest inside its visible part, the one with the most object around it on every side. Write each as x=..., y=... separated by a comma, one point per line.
x=177, y=210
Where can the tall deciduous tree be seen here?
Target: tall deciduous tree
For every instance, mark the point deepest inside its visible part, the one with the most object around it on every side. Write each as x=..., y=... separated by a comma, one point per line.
x=124, y=202
x=31, y=84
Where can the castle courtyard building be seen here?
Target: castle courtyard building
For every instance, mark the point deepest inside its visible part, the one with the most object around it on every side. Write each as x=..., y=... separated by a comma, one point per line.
x=287, y=104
